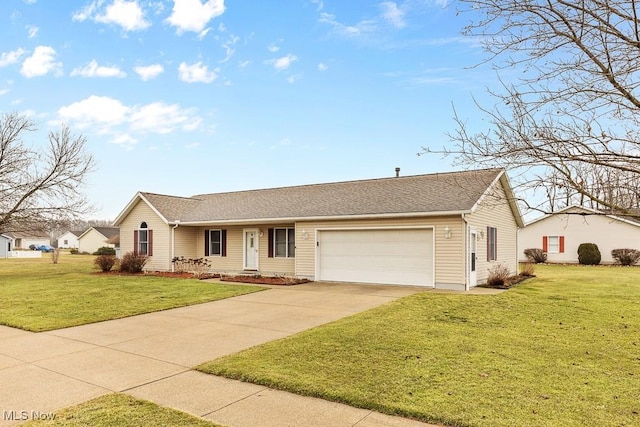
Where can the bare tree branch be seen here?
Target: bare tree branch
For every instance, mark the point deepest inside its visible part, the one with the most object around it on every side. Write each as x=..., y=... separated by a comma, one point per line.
x=38, y=187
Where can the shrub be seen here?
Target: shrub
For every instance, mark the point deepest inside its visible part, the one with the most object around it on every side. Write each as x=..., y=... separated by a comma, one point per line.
x=132, y=263
x=527, y=269
x=73, y=251
x=535, y=255
x=498, y=275
x=105, y=250
x=105, y=262
x=626, y=256
x=589, y=254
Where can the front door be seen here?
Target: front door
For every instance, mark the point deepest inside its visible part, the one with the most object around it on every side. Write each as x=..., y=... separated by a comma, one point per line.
x=251, y=249
x=473, y=258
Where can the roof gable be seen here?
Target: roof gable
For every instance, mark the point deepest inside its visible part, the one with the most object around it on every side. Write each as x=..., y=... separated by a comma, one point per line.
x=581, y=210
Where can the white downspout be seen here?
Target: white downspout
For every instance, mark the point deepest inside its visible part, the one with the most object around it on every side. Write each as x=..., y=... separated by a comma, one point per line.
x=466, y=254
x=173, y=243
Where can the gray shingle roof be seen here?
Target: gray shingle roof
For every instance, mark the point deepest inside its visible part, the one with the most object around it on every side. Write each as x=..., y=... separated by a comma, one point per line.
x=107, y=232
x=433, y=193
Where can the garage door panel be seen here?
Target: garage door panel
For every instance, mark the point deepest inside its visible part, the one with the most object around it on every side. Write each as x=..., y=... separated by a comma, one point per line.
x=377, y=256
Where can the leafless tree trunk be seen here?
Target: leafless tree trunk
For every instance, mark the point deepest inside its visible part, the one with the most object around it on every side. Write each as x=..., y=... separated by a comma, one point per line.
x=572, y=116
x=38, y=187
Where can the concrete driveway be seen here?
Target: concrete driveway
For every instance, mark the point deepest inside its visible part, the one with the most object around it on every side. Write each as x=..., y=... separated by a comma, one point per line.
x=150, y=356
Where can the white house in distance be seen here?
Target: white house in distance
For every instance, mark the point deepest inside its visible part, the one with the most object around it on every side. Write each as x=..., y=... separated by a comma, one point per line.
x=6, y=245
x=24, y=240
x=69, y=240
x=95, y=238
x=559, y=234
x=443, y=230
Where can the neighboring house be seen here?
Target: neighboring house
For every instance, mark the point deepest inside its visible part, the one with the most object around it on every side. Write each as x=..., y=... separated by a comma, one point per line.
x=440, y=230
x=6, y=245
x=95, y=238
x=69, y=240
x=559, y=234
x=24, y=240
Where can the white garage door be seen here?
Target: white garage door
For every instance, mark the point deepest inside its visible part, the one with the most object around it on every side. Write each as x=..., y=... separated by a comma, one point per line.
x=394, y=256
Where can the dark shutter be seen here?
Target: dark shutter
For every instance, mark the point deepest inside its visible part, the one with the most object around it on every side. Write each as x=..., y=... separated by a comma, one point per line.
x=488, y=243
x=135, y=242
x=206, y=242
x=561, y=238
x=495, y=243
x=223, y=238
x=270, y=239
x=545, y=244
x=150, y=243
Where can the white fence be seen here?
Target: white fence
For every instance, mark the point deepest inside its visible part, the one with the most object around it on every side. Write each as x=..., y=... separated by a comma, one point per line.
x=25, y=254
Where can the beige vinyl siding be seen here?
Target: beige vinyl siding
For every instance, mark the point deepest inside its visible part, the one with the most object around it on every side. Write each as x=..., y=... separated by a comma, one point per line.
x=604, y=231
x=449, y=253
x=161, y=259
x=185, y=242
x=495, y=211
x=92, y=241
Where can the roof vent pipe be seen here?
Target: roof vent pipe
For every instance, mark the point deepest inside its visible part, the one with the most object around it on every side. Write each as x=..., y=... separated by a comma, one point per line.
x=397, y=172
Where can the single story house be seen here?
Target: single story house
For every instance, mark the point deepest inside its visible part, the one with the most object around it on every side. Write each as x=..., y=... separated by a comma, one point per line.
x=69, y=239
x=6, y=245
x=95, y=238
x=560, y=233
x=442, y=230
x=24, y=240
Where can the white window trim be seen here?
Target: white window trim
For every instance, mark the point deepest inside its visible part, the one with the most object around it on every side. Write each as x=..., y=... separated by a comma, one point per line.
x=556, y=245
x=211, y=253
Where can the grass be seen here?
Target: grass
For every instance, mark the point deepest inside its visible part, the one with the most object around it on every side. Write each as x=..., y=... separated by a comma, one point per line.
x=120, y=410
x=38, y=295
x=561, y=349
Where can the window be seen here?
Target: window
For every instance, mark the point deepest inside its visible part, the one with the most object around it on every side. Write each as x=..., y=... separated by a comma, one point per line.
x=553, y=244
x=215, y=243
x=284, y=242
x=492, y=243
x=143, y=240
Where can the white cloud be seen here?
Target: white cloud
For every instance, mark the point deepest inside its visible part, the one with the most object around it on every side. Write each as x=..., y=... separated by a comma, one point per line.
x=149, y=72
x=128, y=14
x=393, y=14
x=229, y=47
x=4, y=91
x=322, y=67
x=283, y=62
x=197, y=73
x=92, y=69
x=8, y=58
x=100, y=112
x=125, y=124
x=273, y=48
x=32, y=31
x=193, y=15
x=294, y=78
x=244, y=64
x=361, y=28
x=41, y=62
x=319, y=3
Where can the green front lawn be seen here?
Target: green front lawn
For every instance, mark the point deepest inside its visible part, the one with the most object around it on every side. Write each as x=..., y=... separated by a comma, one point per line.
x=561, y=349
x=119, y=410
x=37, y=295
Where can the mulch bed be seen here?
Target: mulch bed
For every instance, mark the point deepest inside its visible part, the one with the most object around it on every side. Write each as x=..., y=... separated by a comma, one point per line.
x=265, y=280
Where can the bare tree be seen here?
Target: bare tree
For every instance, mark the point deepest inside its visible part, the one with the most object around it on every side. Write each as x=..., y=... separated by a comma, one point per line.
x=571, y=117
x=38, y=187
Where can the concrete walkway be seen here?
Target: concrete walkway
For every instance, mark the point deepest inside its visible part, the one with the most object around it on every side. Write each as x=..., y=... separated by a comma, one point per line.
x=150, y=357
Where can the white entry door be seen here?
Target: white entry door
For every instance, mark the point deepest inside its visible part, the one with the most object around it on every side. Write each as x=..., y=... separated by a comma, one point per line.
x=251, y=249
x=473, y=258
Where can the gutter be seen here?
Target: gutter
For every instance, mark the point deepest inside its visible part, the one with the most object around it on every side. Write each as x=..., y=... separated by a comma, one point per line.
x=467, y=272
x=173, y=243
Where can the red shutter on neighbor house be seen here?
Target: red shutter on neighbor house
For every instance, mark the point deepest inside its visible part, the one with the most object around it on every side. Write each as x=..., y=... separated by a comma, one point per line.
x=561, y=238
x=270, y=239
x=223, y=237
x=206, y=242
x=135, y=242
x=545, y=244
x=150, y=243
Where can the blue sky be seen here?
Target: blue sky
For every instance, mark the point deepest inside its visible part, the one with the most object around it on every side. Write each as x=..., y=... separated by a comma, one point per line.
x=191, y=96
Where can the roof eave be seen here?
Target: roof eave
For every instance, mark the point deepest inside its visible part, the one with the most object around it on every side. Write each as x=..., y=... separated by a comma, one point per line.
x=321, y=218
x=125, y=212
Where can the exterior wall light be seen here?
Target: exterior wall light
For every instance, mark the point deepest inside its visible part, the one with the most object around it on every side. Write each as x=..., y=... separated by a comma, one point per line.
x=305, y=235
x=447, y=232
